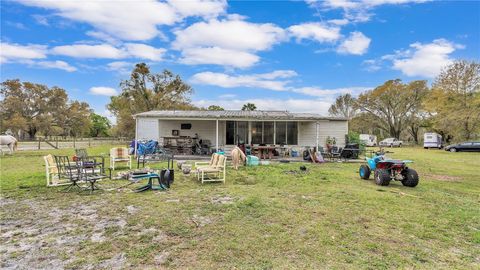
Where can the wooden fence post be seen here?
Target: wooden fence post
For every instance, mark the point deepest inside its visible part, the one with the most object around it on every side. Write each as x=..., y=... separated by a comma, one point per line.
x=74, y=142
x=56, y=142
x=38, y=143
x=89, y=142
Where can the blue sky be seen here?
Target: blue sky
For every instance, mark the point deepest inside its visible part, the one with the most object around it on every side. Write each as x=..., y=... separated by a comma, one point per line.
x=283, y=55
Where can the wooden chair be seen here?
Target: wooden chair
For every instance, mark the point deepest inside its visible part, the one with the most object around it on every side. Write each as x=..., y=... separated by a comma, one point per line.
x=120, y=154
x=214, y=173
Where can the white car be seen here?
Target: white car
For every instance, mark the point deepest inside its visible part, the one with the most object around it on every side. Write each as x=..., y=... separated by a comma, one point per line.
x=391, y=142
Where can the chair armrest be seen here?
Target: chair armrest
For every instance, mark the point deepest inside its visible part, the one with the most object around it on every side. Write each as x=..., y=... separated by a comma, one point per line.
x=201, y=162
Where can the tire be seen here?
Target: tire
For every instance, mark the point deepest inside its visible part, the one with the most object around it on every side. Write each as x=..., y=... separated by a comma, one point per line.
x=400, y=145
x=382, y=177
x=410, y=178
x=391, y=145
x=364, y=172
x=453, y=150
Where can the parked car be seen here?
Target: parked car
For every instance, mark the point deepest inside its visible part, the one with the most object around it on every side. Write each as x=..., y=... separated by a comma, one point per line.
x=432, y=140
x=464, y=147
x=391, y=142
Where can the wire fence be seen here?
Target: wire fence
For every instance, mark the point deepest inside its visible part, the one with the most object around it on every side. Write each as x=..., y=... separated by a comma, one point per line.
x=42, y=143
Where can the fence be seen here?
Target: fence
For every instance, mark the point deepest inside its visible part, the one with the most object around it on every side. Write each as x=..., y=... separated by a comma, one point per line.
x=42, y=143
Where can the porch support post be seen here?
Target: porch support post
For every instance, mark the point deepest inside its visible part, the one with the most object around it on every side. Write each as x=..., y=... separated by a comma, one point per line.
x=274, y=132
x=136, y=136
x=216, y=136
x=316, y=133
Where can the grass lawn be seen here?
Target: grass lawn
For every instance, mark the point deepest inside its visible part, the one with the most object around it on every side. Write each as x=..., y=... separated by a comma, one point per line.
x=265, y=217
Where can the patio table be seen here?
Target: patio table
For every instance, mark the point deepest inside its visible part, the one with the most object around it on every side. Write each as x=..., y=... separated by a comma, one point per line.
x=263, y=151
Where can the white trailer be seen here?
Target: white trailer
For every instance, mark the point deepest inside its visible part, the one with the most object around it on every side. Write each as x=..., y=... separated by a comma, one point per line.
x=368, y=140
x=432, y=140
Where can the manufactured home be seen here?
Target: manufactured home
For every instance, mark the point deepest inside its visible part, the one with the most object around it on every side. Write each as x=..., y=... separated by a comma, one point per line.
x=225, y=129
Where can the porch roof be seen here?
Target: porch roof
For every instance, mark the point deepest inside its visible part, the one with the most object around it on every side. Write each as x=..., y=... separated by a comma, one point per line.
x=237, y=114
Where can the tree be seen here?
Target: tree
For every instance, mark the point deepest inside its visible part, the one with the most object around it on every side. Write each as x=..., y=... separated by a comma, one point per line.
x=146, y=91
x=393, y=105
x=100, y=125
x=78, y=119
x=215, y=108
x=32, y=108
x=249, y=107
x=344, y=106
x=455, y=100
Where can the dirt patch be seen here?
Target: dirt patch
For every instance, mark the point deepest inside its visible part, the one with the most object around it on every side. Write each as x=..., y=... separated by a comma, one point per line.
x=445, y=178
x=37, y=235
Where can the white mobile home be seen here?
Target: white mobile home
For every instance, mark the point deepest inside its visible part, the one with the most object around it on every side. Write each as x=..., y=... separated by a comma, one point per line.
x=224, y=129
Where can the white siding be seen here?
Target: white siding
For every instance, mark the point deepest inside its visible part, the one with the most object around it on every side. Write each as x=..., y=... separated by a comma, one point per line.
x=147, y=129
x=307, y=132
x=336, y=129
x=206, y=129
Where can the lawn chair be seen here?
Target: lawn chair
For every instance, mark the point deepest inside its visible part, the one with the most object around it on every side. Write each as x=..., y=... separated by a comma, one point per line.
x=202, y=164
x=98, y=161
x=120, y=154
x=214, y=173
x=51, y=170
x=90, y=171
x=69, y=171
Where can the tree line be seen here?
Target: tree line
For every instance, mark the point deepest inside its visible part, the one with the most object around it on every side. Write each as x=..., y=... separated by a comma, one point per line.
x=450, y=106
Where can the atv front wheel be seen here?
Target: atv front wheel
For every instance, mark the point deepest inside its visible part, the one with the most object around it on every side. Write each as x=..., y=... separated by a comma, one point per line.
x=382, y=177
x=364, y=172
x=410, y=178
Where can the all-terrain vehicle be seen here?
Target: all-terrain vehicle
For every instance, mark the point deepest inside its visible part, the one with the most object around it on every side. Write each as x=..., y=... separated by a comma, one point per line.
x=386, y=170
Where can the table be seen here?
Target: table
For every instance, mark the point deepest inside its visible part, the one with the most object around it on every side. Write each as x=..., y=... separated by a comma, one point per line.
x=262, y=151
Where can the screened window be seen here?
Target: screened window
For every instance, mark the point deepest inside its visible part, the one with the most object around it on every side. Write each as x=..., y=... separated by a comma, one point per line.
x=268, y=132
x=257, y=132
x=281, y=133
x=292, y=133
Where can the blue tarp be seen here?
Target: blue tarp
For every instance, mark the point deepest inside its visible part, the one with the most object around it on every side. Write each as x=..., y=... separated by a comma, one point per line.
x=145, y=148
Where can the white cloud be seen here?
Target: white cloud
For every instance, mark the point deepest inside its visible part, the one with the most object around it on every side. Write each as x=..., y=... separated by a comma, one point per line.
x=89, y=51
x=272, y=81
x=202, y=8
x=12, y=52
x=103, y=91
x=320, y=92
x=230, y=42
x=316, y=31
x=56, y=64
x=357, y=10
x=425, y=60
x=107, y=51
x=357, y=43
x=218, y=56
x=130, y=20
x=294, y=105
x=145, y=51
x=120, y=66
x=229, y=34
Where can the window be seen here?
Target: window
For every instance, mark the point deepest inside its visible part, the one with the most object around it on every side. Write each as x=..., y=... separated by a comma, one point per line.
x=257, y=132
x=281, y=133
x=186, y=126
x=292, y=133
x=268, y=132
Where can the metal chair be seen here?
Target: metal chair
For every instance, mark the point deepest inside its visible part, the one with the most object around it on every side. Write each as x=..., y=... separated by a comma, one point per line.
x=99, y=161
x=68, y=170
x=90, y=172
